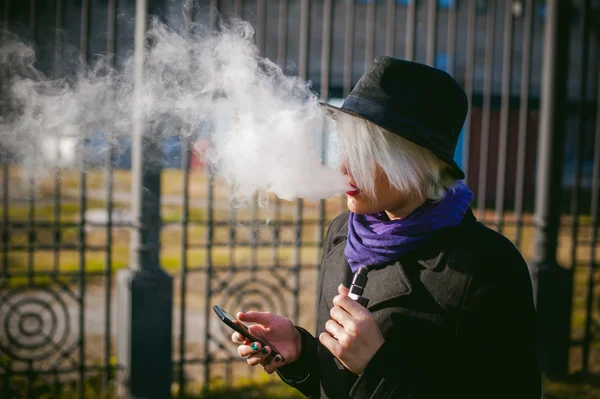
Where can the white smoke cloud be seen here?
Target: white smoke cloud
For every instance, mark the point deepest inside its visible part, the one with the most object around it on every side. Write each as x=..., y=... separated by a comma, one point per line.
x=265, y=124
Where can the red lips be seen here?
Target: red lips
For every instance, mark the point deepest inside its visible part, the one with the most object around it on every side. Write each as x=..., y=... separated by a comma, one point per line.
x=353, y=192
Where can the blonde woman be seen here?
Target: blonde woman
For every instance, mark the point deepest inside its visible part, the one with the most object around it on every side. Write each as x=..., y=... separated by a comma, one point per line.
x=450, y=311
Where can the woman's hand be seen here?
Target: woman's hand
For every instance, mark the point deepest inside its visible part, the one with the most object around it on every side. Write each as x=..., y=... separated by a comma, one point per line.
x=352, y=335
x=278, y=331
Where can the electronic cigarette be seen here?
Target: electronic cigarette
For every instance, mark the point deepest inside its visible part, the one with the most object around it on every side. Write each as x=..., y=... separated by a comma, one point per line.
x=358, y=286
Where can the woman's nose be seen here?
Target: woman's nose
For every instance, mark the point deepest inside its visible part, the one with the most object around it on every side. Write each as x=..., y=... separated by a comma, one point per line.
x=344, y=169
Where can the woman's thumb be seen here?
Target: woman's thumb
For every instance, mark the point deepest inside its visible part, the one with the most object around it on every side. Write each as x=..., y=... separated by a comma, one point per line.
x=262, y=318
x=342, y=290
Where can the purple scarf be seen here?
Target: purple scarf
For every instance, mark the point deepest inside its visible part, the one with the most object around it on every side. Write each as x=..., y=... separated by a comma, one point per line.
x=375, y=239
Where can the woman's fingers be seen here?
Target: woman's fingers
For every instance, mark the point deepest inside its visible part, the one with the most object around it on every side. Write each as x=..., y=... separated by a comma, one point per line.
x=238, y=338
x=256, y=355
x=342, y=290
x=330, y=343
x=247, y=350
x=262, y=318
x=260, y=357
x=349, y=305
x=334, y=328
x=274, y=364
x=340, y=315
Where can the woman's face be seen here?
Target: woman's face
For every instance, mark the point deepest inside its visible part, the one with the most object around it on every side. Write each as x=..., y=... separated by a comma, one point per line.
x=387, y=198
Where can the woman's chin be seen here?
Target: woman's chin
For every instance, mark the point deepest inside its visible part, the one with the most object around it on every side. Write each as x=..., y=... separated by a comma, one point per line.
x=355, y=205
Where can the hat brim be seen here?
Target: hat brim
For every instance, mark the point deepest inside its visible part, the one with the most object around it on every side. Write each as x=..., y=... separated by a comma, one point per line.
x=332, y=111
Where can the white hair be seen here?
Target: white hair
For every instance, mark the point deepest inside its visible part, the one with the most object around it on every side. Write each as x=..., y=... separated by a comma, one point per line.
x=410, y=168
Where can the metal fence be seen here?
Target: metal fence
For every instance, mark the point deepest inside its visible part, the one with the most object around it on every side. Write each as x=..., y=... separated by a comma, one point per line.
x=531, y=150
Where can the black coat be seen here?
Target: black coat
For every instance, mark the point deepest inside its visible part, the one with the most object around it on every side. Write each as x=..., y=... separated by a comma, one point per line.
x=457, y=316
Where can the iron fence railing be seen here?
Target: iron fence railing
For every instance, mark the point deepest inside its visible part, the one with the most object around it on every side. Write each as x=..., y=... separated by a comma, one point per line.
x=62, y=324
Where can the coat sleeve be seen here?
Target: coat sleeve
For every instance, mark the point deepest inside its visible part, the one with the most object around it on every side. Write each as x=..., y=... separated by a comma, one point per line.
x=407, y=366
x=303, y=374
x=492, y=355
x=498, y=328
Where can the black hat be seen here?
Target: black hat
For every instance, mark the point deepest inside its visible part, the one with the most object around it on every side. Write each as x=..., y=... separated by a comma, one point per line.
x=422, y=104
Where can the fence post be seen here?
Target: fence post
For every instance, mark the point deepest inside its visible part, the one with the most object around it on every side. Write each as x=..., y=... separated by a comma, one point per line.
x=552, y=283
x=145, y=291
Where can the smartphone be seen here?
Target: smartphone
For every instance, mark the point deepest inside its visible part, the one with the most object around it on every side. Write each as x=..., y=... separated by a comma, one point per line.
x=241, y=328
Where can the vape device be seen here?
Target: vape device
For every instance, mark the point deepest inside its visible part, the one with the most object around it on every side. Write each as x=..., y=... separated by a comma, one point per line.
x=358, y=286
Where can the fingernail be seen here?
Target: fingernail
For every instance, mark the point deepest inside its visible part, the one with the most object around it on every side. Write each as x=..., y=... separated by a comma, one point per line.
x=277, y=358
x=265, y=351
x=239, y=338
x=254, y=346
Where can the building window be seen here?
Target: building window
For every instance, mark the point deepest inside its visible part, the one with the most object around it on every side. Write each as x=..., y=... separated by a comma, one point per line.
x=445, y=4
x=441, y=61
x=540, y=10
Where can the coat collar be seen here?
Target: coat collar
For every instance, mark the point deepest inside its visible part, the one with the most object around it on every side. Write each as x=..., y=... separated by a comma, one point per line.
x=385, y=283
x=389, y=281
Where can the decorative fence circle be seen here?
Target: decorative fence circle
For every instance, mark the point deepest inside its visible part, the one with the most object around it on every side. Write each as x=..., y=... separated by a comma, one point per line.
x=34, y=323
x=253, y=294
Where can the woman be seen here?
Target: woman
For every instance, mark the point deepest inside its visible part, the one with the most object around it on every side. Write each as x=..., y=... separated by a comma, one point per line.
x=450, y=312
